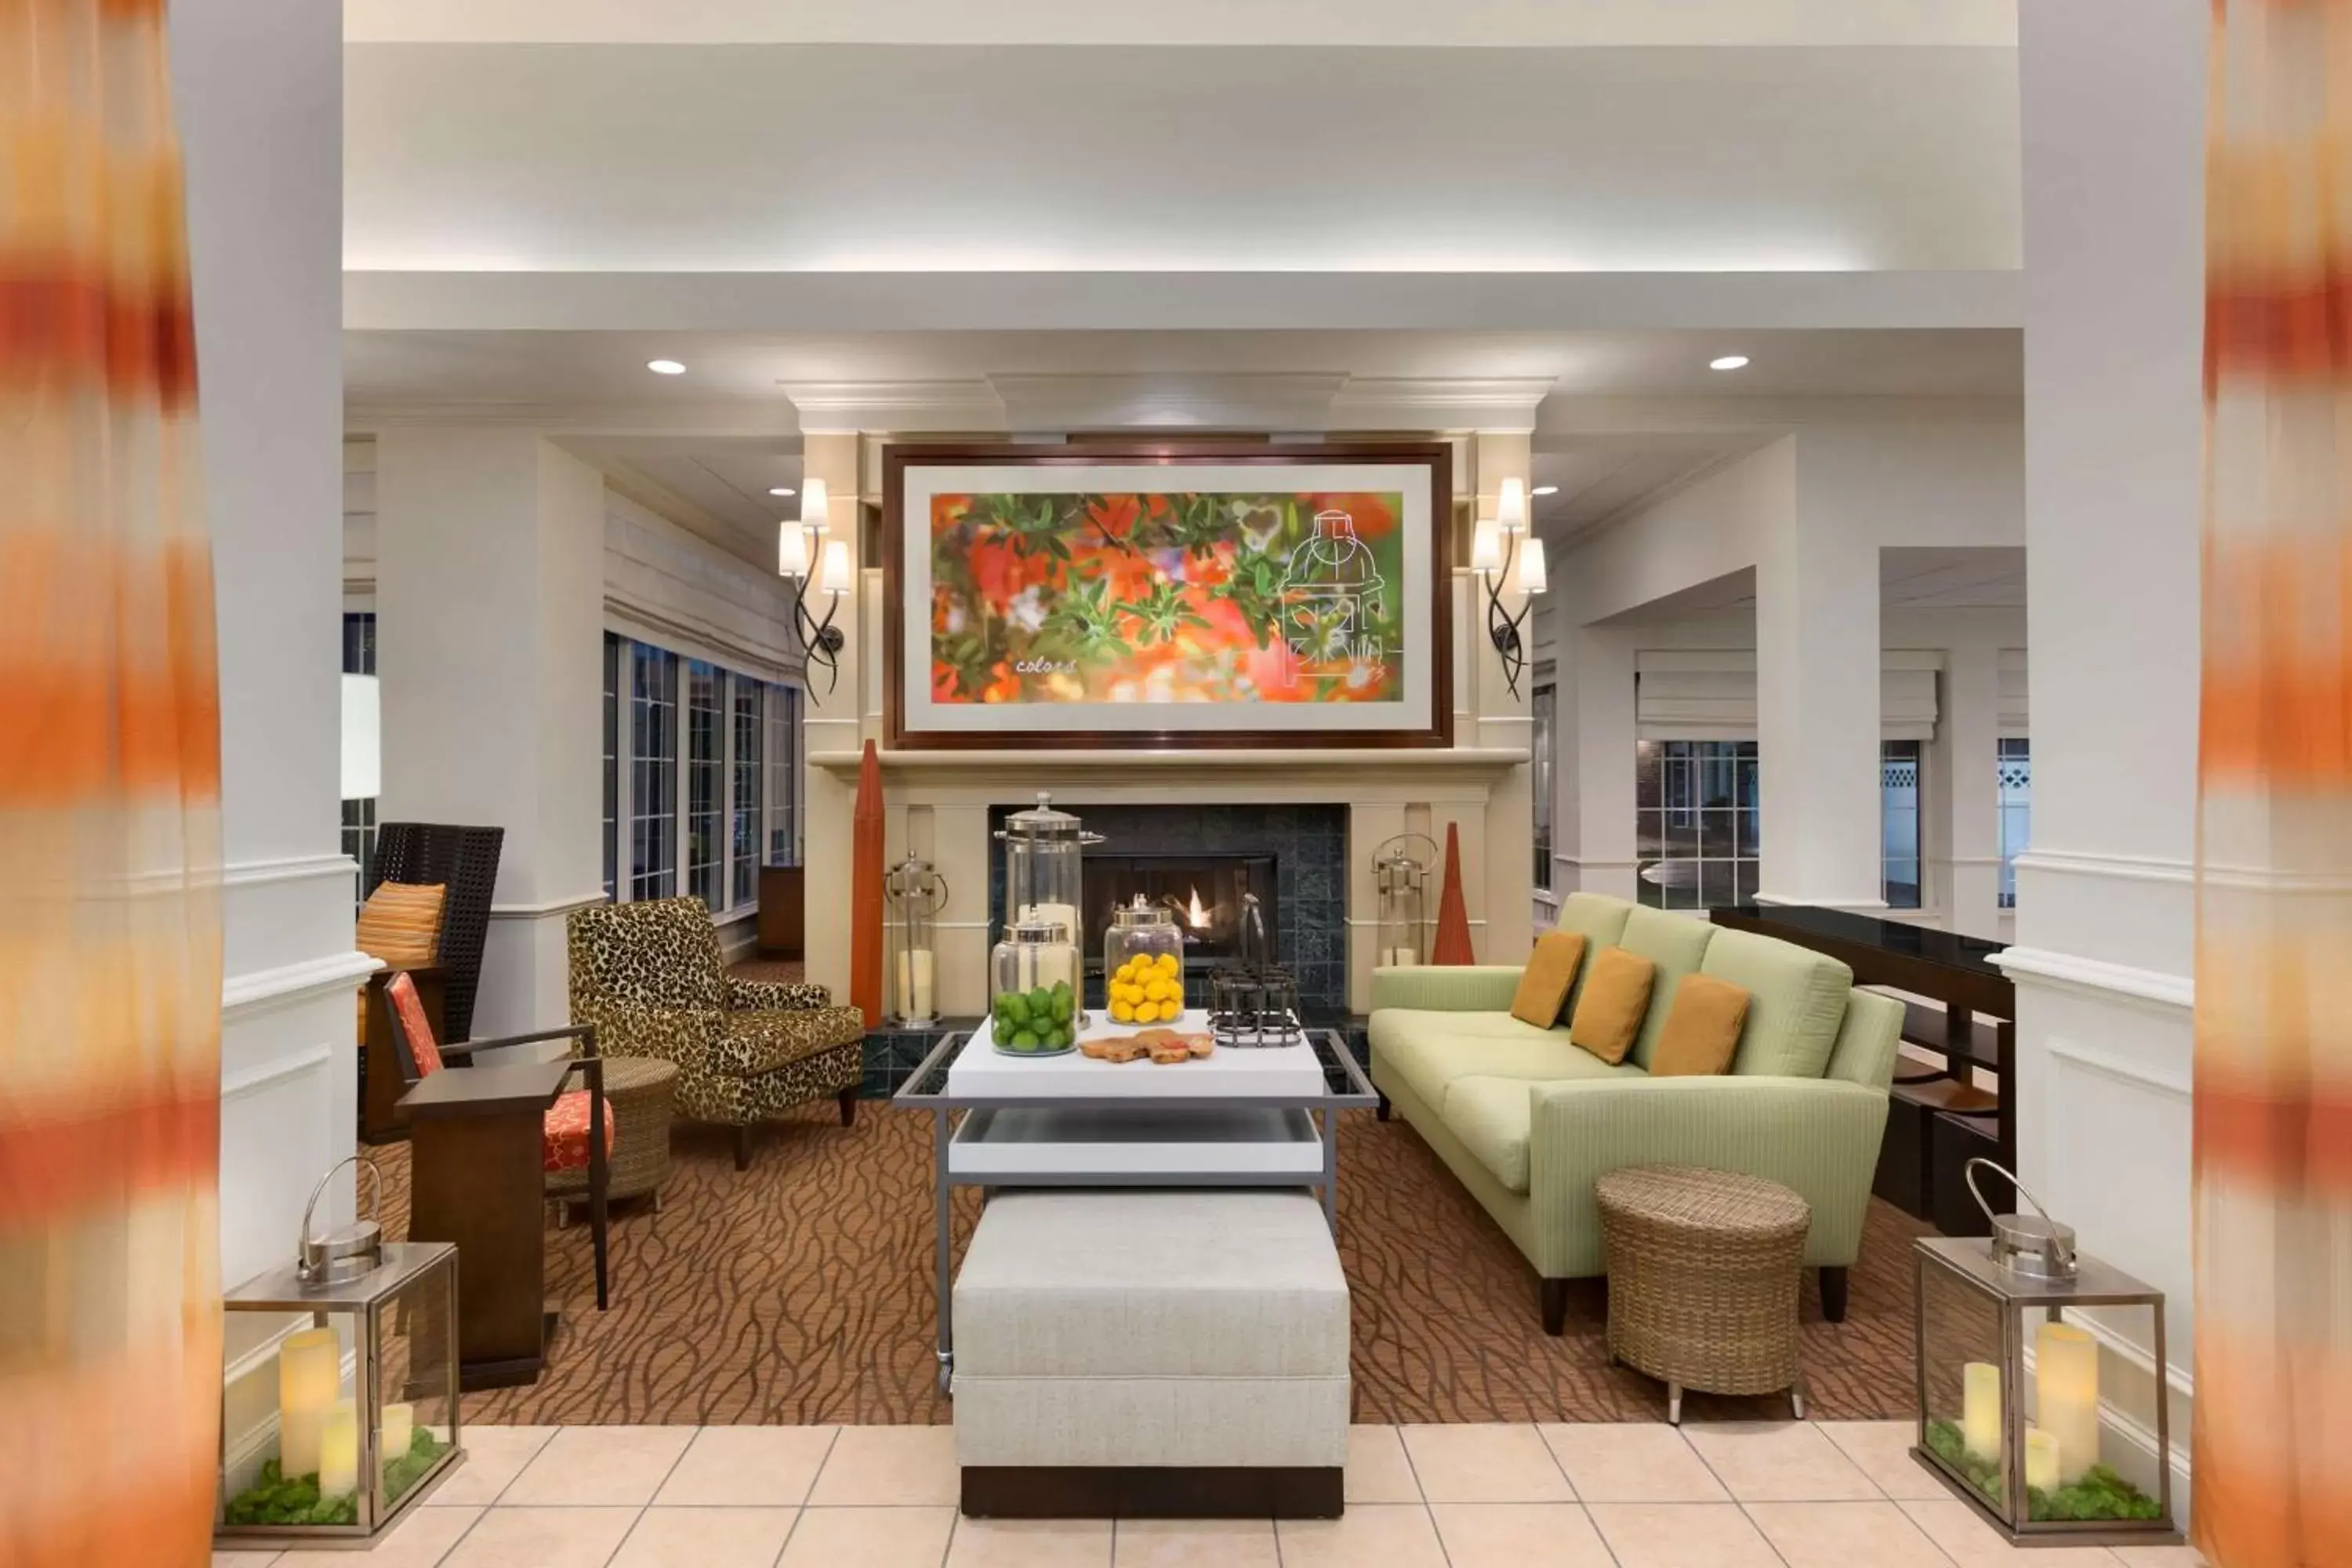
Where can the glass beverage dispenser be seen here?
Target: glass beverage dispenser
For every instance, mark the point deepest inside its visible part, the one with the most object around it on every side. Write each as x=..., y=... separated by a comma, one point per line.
x=1043, y=872
x=1402, y=882
x=917, y=893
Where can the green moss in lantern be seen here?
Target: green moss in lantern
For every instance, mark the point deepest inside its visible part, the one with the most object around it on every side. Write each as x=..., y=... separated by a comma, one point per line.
x=2098, y=1495
x=278, y=1499
x=402, y=1471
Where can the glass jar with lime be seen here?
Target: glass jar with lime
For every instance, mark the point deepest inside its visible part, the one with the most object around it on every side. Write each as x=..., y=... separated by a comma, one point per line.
x=1033, y=990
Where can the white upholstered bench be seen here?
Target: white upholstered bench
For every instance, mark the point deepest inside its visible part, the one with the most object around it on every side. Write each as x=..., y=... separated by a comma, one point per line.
x=1151, y=1351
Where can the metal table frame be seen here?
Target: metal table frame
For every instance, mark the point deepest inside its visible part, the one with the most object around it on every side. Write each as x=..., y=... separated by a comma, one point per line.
x=944, y=1108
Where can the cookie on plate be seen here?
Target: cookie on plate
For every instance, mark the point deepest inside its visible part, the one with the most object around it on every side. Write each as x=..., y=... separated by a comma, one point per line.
x=1113, y=1048
x=1167, y=1053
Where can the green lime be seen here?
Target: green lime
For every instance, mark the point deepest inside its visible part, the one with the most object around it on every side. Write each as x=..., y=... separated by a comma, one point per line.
x=1058, y=1039
x=1024, y=1040
x=1064, y=1002
x=1015, y=1007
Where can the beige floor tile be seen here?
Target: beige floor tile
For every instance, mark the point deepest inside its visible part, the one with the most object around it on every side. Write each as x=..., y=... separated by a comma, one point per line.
x=869, y=1538
x=1377, y=1535
x=1778, y=1461
x=748, y=1467
x=495, y=1455
x=1196, y=1543
x=571, y=1537
x=706, y=1538
x=1518, y=1535
x=599, y=1466
x=1485, y=1462
x=1970, y=1542
x=244, y=1559
x=1882, y=1450
x=895, y=1466
x=2159, y=1557
x=1030, y=1543
x=1377, y=1470
x=420, y=1540
x=1683, y=1536
x=1843, y=1534
x=1631, y=1461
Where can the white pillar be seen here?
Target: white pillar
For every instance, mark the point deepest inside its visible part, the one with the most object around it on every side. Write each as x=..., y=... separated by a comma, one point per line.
x=1504, y=929
x=1969, y=808
x=833, y=721
x=1817, y=711
x=2114, y=108
x=489, y=645
x=1596, y=805
x=258, y=92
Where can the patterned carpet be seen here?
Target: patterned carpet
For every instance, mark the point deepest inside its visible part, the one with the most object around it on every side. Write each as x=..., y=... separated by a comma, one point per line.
x=801, y=1291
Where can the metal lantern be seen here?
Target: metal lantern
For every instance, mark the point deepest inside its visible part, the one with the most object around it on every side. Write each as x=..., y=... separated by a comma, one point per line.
x=917, y=893
x=1044, y=876
x=2009, y=1383
x=339, y=1425
x=1401, y=880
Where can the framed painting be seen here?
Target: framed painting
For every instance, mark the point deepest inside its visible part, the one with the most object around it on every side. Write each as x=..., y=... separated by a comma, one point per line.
x=1082, y=597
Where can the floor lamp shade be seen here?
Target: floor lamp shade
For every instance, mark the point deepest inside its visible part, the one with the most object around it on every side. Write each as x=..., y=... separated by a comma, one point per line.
x=362, y=738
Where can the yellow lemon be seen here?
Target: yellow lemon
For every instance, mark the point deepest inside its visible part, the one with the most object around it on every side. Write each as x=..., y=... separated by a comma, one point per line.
x=1150, y=1012
x=1165, y=963
x=1122, y=1012
x=1153, y=990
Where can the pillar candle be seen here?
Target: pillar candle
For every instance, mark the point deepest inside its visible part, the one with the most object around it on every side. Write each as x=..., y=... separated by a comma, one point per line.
x=309, y=1373
x=339, y=1451
x=399, y=1430
x=1063, y=915
x=2066, y=1395
x=2041, y=1460
x=916, y=968
x=1981, y=1409
x=1404, y=957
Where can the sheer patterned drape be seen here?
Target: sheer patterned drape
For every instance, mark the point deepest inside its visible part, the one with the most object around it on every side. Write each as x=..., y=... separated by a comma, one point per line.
x=2273, y=1091
x=109, y=769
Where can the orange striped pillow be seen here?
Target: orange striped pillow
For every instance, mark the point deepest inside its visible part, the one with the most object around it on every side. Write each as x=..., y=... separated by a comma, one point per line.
x=401, y=924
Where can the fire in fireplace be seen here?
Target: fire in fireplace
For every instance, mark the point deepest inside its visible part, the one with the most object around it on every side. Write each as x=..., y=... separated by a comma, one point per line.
x=1202, y=892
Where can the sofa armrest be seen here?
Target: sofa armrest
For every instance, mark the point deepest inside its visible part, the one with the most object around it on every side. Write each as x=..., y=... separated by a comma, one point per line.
x=1447, y=989
x=1817, y=1137
x=775, y=995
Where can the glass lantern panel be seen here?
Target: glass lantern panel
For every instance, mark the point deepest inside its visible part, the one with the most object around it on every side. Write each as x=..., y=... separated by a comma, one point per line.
x=1963, y=1415
x=290, y=1457
x=2074, y=1472
x=417, y=1371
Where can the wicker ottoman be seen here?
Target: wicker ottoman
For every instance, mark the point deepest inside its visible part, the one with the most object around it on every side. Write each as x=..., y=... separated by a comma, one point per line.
x=1703, y=1274
x=638, y=1090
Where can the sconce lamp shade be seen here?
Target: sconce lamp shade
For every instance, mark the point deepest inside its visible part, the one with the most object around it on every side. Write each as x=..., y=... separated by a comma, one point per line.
x=792, y=550
x=362, y=738
x=812, y=503
x=1511, y=506
x=835, y=578
x=1532, y=577
x=1486, y=546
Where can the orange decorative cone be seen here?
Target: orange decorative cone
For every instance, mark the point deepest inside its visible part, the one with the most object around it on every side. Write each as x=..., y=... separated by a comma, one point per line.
x=1453, y=915
x=866, y=892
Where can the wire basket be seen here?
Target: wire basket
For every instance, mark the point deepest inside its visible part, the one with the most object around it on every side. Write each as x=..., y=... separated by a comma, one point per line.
x=1255, y=1004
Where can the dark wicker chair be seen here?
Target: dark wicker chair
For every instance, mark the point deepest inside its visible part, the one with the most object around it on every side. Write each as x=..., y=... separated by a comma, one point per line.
x=466, y=861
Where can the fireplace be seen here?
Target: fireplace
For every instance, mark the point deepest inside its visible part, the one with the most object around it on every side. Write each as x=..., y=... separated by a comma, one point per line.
x=1204, y=894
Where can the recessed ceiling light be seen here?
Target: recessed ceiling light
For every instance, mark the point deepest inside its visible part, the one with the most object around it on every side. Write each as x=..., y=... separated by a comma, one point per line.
x=665, y=367
x=780, y=490
x=1545, y=490
x=1728, y=361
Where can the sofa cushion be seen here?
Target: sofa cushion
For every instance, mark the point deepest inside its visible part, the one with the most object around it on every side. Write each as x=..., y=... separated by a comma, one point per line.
x=1492, y=1117
x=1600, y=920
x=1609, y=1014
x=1796, y=1000
x=1430, y=1050
x=1545, y=983
x=1701, y=1032
x=1677, y=945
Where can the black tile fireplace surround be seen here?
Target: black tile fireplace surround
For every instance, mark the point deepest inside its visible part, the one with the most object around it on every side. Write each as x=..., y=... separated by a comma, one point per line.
x=1294, y=857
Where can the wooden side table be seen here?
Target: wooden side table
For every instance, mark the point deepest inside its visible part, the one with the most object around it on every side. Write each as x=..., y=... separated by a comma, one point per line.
x=478, y=1179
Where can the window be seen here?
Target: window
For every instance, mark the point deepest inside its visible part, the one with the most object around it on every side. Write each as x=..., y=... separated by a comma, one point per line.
x=613, y=654
x=1544, y=704
x=1898, y=816
x=784, y=775
x=652, y=771
x=2016, y=771
x=359, y=816
x=743, y=803
x=706, y=756
x=1695, y=825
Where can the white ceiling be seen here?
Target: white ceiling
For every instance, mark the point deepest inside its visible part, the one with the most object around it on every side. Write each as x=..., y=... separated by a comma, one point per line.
x=1969, y=577
x=1389, y=23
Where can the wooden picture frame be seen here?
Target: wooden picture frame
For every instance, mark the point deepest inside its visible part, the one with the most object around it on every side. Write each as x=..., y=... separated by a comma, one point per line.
x=1392, y=641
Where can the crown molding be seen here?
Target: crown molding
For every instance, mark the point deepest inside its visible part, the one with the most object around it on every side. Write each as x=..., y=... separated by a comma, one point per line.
x=848, y=407
x=736, y=417
x=1505, y=405
x=1651, y=417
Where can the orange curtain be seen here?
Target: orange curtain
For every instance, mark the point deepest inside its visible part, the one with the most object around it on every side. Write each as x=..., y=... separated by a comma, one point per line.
x=110, y=784
x=2273, y=1449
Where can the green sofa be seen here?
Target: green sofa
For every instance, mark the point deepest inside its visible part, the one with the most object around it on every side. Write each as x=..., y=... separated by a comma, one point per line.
x=1527, y=1120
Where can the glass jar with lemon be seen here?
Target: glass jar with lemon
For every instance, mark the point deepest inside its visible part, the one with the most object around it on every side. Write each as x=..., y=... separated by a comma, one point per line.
x=1143, y=965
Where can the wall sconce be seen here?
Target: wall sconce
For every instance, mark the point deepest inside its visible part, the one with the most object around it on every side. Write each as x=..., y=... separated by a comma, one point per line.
x=1494, y=547
x=795, y=541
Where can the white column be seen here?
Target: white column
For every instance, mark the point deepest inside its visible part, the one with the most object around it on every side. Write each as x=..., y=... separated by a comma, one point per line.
x=2114, y=99
x=1967, y=803
x=1596, y=805
x=832, y=722
x=1503, y=926
x=1817, y=711
x=489, y=645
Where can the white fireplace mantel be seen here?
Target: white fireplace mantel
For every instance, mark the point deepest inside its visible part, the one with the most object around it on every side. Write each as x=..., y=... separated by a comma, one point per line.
x=1162, y=766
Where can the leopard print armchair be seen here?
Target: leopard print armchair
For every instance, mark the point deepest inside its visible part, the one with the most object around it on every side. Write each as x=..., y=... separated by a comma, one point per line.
x=650, y=976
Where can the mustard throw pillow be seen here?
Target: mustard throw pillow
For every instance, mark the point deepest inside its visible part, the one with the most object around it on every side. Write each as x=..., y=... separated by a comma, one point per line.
x=401, y=924
x=1615, y=998
x=1702, y=1028
x=1544, y=983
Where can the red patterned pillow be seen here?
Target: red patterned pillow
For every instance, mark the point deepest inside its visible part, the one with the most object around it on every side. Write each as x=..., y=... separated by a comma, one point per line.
x=408, y=1012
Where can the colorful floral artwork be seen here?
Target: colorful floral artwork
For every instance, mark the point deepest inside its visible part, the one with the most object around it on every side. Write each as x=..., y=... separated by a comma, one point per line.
x=1167, y=596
